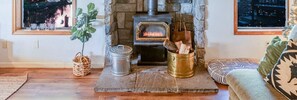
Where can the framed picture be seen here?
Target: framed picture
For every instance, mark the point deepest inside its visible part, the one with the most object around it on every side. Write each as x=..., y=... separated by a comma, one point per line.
x=48, y=17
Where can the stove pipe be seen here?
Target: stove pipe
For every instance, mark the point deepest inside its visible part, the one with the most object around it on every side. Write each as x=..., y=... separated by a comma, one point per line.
x=152, y=7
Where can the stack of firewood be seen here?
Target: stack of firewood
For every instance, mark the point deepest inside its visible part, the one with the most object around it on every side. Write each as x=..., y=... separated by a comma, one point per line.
x=181, y=41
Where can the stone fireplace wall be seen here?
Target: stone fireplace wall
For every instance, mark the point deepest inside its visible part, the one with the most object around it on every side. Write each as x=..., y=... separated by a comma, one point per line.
x=199, y=20
x=119, y=21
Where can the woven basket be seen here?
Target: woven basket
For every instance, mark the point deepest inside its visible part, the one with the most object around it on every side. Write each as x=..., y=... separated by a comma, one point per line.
x=81, y=65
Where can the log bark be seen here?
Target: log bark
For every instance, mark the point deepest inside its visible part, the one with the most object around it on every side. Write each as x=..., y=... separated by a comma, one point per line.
x=170, y=46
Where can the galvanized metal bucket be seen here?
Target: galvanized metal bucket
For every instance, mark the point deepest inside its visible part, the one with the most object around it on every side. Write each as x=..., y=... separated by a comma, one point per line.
x=180, y=65
x=120, y=59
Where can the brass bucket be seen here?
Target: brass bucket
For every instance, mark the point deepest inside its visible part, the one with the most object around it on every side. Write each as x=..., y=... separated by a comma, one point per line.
x=180, y=65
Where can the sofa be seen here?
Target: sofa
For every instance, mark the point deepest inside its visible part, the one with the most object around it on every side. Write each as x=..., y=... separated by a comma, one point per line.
x=248, y=84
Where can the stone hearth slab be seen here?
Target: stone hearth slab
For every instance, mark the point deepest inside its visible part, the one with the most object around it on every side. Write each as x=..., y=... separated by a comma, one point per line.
x=154, y=79
x=108, y=82
x=200, y=82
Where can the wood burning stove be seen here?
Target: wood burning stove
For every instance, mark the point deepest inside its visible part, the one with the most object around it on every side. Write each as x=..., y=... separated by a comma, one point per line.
x=150, y=31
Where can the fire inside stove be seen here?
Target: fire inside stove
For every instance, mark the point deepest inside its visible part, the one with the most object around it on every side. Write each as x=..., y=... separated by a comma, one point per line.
x=153, y=34
x=152, y=31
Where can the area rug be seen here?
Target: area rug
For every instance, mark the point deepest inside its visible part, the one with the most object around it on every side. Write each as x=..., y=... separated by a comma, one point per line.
x=154, y=79
x=9, y=84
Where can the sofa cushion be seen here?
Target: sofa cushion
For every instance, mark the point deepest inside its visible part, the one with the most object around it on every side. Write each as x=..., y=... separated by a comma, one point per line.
x=219, y=68
x=273, y=52
x=232, y=94
x=283, y=76
x=248, y=84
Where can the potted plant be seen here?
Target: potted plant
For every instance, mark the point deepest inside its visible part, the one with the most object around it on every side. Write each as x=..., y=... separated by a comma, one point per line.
x=82, y=30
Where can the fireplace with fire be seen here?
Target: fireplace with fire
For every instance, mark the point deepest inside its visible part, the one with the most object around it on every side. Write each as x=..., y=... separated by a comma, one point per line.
x=150, y=31
x=47, y=13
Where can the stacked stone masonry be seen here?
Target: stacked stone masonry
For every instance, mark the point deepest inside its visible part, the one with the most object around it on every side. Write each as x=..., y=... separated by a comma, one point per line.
x=119, y=20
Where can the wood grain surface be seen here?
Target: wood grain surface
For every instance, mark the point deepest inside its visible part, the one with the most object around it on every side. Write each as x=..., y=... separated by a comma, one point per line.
x=60, y=84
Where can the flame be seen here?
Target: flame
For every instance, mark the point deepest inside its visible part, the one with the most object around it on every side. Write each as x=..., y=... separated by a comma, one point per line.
x=60, y=15
x=153, y=34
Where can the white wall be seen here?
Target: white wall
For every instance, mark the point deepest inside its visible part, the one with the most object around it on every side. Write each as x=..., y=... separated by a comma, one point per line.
x=55, y=51
x=222, y=43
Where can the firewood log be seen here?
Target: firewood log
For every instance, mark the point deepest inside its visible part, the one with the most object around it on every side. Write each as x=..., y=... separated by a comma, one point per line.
x=184, y=49
x=178, y=44
x=170, y=45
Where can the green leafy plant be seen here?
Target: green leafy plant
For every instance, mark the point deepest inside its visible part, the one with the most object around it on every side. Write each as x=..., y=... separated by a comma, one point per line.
x=83, y=28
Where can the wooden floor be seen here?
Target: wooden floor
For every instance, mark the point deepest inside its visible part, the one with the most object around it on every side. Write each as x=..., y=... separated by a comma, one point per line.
x=60, y=84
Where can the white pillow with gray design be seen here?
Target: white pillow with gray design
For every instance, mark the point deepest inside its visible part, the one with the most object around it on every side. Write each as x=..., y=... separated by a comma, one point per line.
x=283, y=76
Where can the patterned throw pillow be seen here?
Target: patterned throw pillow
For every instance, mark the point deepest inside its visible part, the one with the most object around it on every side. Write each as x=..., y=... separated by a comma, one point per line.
x=283, y=76
x=273, y=52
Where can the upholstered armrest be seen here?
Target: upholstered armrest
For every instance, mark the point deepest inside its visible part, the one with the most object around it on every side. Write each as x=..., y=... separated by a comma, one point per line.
x=248, y=84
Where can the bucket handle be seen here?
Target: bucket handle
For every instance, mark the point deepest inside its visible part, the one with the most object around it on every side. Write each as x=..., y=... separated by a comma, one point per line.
x=81, y=58
x=121, y=46
x=78, y=54
x=173, y=59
